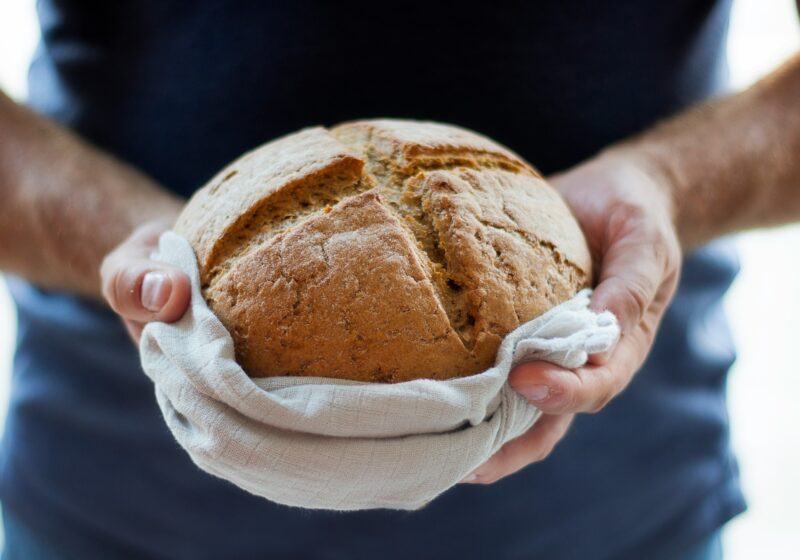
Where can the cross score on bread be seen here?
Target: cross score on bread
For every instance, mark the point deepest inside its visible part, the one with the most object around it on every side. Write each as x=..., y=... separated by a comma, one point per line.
x=381, y=251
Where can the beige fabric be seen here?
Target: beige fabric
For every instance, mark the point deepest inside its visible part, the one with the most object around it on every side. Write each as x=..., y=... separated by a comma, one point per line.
x=345, y=445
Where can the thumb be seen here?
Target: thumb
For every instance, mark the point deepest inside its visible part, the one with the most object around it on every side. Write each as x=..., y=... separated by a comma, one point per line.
x=143, y=291
x=140, y=289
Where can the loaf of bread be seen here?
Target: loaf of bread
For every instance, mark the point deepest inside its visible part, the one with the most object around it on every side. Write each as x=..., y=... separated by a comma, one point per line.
x=381, y=250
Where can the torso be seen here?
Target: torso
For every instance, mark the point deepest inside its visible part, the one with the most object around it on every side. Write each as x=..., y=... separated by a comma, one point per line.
x=180, y=88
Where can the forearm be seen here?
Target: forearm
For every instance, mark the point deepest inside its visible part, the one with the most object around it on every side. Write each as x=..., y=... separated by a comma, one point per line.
x=65, y=204
x=730, y=164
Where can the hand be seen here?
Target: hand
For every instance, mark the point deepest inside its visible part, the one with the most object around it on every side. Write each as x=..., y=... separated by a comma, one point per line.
x=141, y=290
x=626, y=213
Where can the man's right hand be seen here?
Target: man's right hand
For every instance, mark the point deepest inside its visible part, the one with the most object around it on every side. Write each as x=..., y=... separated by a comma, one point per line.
x=139, y=289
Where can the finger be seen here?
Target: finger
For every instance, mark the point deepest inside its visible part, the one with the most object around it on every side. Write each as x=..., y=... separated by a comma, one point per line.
x=142, y=290
x=556, y=390
x=532, y=446
x=629, y=280
x=638, y=260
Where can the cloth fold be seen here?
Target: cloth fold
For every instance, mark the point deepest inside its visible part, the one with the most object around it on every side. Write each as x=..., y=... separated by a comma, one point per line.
x=346, y=445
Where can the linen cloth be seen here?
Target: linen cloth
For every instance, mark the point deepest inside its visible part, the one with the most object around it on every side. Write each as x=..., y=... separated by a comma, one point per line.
x=345, y=445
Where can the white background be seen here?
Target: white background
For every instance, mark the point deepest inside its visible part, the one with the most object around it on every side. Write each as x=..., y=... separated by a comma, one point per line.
x=764, y=304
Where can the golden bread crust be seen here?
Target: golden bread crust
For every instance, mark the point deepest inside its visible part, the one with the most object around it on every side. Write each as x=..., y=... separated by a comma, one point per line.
x=381, y=251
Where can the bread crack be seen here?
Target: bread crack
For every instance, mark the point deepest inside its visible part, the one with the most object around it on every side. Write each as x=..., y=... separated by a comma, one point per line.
x=396, y=187
x=400, y=179
x=576, y=271
x=401, y=280
x=566, y=269
x=279, y=213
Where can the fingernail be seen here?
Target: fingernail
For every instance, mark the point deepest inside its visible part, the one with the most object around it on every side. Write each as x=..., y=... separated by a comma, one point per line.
x=156, y=287
x=536, y=393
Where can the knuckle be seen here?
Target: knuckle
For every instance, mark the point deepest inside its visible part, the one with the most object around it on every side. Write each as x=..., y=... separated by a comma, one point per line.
x=107, y=284
x=674, y=252
x=108, y=268
x=573, y=401
x=638, y=298
x=596, y=406
x=667, y=249
x=490, y=478
x=566, y=398
x=617, y=387
x=605, y=398
x=625, y=215
x=487, y=476
x=648, y=330
x=123, y=290
x=607, y=389
x=611, y=381
x=601, y=402
x=660, y=234
x=114, y=288
x=543, y=452
x=628, y=208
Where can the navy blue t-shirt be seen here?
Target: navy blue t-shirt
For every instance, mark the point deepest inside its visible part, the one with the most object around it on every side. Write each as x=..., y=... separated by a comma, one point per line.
x=180, y=88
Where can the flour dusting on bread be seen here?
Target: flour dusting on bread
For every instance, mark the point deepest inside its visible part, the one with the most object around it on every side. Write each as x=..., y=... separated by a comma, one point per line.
x=381, y=251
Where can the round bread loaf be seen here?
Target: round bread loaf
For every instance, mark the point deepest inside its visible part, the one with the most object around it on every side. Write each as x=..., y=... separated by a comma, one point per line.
x=380, y=250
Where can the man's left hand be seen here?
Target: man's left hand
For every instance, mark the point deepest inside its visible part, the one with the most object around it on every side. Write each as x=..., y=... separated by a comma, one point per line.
x=625, y=210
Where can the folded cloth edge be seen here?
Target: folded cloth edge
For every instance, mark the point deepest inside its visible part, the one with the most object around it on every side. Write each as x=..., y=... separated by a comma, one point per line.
x=265, y=435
